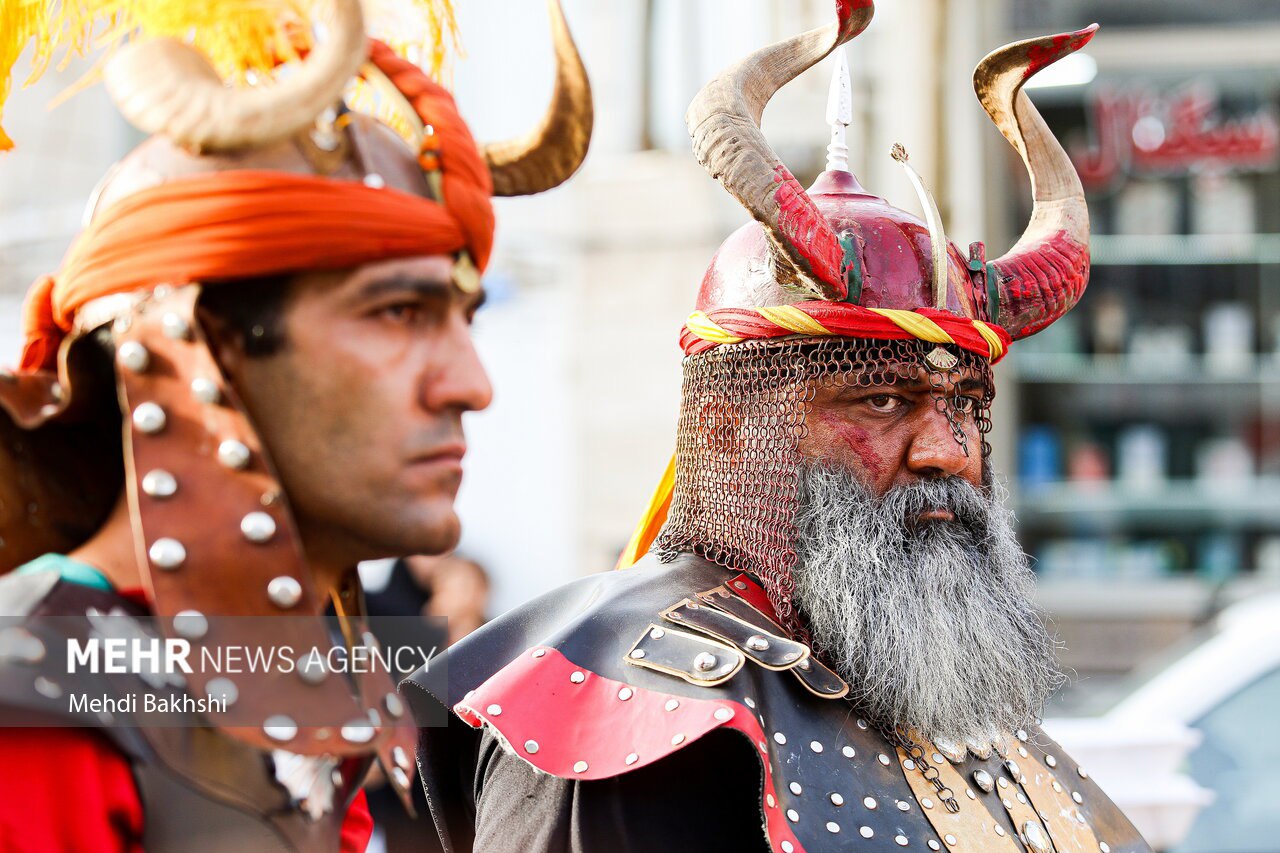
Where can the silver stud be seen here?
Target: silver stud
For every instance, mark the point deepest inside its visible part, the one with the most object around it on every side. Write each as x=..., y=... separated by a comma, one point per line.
x=750, y=702
x=796, y=788
x=401, y=777
x=258, y=527
x=394, y=705
x=740, y=584
x=950, y=839
x=723, y=714
x=657, y=633
x=531, y=747
x=866, y=831
x=206, y=390
x=191, y=624
x=1057, y=786
x=833, y=827
x=909, y=764
x=1083, y=774
x=847, y=752
x=937, y=758
x=927, y=803
x=954, y=752
x=1022, y=798
x=47, y=687
x=577, y=677
x=167, y=554
x=21, y=645
x=631, y=758
x=538, y=653
x=983, y=780
x=280, y=728
x=705, y=662
x=1075, y=795
x=149, y=418
x=374, y=181
x=311, y=670
x=788, y=847
x=580, y=767
x=358, y=731
x=757, y=643
x=626, y=693
x=804, y=664
x=672, y=704
x=837, y=800
x=677, y=740
x=1002, y=782
x=159, y=484
x=780, y=737
x=1012, y=767
x=790, y=656
x=1007, y=803
x=224, y=689
x=400, y=757
x=815, y=746
x=133, y=356
x=793, y=815
x=1022, y=750
x=904, y=806
x=637, y=653
x=999, y=830
x=176, y=327
x=1050, y=761
x=768, y=798
x=869, y=802
x=494, y=710
x=883, y=759
x=1104, y=847
x=284, y=591
x=933, y=845
x=1035, y=837
x=234, y=454
x=862, y=724
x=900, y=840
x=1022, y=734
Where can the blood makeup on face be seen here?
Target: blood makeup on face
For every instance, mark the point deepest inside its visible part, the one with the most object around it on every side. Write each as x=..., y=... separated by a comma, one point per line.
x=857, y=439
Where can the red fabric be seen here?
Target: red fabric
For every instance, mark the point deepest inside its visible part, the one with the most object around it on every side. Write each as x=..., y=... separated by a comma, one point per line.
x=67, y=790
x=845, y=320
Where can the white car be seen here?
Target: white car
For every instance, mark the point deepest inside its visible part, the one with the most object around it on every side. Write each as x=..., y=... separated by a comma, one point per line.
x=1192, y=754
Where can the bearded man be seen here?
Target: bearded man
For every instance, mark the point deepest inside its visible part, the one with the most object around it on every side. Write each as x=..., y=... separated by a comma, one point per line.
x=271, y=304
x=832, y=645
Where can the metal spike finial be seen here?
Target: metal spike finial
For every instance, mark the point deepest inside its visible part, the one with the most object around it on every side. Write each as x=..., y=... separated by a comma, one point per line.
x=839, y=113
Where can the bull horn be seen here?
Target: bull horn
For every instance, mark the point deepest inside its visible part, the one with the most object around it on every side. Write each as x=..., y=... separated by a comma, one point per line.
x=556, y=148
x=1044, y=274
x=724, y=121
x=162, y=85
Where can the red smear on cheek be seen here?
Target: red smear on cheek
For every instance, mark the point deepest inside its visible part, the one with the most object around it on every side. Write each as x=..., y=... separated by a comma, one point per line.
x=856, y=439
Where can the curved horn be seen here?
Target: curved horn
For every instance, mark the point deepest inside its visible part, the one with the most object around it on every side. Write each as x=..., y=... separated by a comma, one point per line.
x=556, y=148
x=724, y=121
x=164, y=86
x=1043, y=275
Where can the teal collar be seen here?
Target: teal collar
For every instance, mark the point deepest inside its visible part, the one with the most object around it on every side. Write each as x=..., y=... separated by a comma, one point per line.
x=71, y=571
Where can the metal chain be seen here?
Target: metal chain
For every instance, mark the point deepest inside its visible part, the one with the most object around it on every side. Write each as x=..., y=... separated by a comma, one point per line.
x=930, y=773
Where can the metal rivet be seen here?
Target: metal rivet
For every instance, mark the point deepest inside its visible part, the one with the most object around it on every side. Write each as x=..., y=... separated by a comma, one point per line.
x=48, y=688
x=206, y=390
x=159, y=484
x=631, y=758
x=901, y=840
x=234, y=454
x=780, y=737
x=750, y=702
x=723, y=714
x=705, y=662
x=531, y=747
x=311, y=670
x=672, y=704
x=788, y=847
x=677, y=740
x=1022, y=798
x=626, y=693
x=175, y=327
x=862, y=724
x=1035, y=837
x=1083, y=774
x=494, y=710
x=133, y=356
x=191, y=624
x=866, y=832
x=284, y=591
x=740, y=584
x=394, y=705
x=833, y=827
x=815, y=746
x=657, y=633
x=933, y=845
x=401, y=777
x=790, y=656
x=909, y=764
x=848, y=752
x=1012, y=767
x=167, y=554
x=258, y=527
x=1051, y=761
x=883, y=759
x=577, y=677
x=999, y=830
x=904, y=806
x=358, y=731
x=768, y=798
x=927, y=803
x=580, y=767
x=805, y=665
x=869, y=802
x=149, y=418
x=1007, y=803
x=983, y=780
x=537, y=653
x=796, y=788
x=21, y=645
x=1075, y=795
x=637, y=653
x=374, y=181
x=1002, y=782
x=837, y=800
x=950, y=839
x=793, y=815
x=757, y=643
x=222, y=688
x=1104, y=847
x=937, y=758
x=1022, y=750
x=1022, y=734
x=280, y=728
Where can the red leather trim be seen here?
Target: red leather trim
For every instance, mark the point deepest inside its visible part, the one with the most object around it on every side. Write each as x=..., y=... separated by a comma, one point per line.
x=584, y=729
x=747, y=589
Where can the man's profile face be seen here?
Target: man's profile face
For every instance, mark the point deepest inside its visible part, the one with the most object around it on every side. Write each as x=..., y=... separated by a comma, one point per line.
x=361, y=409
x=896, y=434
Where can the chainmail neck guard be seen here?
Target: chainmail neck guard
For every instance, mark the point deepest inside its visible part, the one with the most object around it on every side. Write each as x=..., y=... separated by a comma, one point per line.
x=742, y=418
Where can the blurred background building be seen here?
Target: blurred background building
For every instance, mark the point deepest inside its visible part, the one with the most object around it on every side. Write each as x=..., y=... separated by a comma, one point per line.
x=1140, y=435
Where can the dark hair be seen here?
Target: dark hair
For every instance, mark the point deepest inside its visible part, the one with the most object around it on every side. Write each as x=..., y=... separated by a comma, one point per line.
x=250, y=308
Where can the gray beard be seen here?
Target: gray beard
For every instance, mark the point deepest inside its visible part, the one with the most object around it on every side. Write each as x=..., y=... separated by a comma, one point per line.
x=932, y=624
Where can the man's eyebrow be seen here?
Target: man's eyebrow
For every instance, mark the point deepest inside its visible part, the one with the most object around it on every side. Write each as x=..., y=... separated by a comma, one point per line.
x=416, y=285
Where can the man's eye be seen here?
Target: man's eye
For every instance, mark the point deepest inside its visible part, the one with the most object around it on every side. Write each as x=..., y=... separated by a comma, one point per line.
x=884, y=402
x=402, y=312
x=966, y=404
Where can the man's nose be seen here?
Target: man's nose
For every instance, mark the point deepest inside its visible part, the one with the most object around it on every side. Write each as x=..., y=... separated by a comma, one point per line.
x=460, y=380
x=934, y=451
